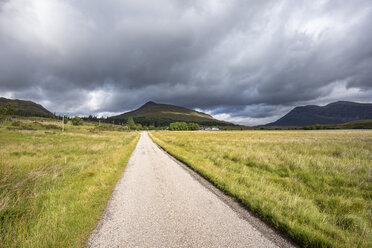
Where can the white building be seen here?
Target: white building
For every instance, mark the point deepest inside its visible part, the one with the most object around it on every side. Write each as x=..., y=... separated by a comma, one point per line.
x=210, y=128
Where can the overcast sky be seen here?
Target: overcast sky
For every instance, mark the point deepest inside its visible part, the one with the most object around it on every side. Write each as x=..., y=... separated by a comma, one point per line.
x=243, y=61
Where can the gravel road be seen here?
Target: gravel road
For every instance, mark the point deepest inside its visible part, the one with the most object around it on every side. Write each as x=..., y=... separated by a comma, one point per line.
x=158, y=203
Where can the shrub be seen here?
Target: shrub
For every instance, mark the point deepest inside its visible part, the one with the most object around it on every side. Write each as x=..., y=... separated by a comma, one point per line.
x=178, y=126
x=51, y=126
x=16, y=123
x=193, y=126
x=183, y=126
x=77, y=121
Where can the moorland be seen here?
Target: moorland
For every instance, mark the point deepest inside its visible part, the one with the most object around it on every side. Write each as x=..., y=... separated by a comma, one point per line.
x=54, y=185
x=315, y=186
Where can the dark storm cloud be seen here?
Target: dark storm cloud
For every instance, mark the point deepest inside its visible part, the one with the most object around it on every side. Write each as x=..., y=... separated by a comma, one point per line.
x=245, y=61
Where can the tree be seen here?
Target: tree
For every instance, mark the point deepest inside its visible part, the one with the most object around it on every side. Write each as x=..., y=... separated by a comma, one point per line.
x=131, y=124
x=8, y=109
x=139, y=126
x=77, y=121
x=178, y=126
x=193, y=126
x=2, y=110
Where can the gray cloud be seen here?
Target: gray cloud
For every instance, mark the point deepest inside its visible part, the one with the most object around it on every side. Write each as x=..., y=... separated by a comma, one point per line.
x=245, y=61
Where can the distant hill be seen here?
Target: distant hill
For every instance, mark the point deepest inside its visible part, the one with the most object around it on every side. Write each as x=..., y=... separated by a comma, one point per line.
x=163, y=114
x=362, y=124
x=333, y=113
x=26, y=108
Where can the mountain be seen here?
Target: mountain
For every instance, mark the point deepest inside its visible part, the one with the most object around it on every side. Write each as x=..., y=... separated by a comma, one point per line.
x=163, y=114
x=25, y=108
x=333, y=113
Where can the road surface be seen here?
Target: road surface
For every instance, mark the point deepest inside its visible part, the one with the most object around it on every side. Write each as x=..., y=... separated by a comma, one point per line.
x=159, y=203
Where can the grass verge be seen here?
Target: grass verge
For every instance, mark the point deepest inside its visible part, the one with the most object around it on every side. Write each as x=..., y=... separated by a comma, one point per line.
x=313, y=185
x=54, y=186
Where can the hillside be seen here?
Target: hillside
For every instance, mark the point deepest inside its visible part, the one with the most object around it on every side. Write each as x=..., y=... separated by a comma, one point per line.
x=163, y=114
x=26, y=108
x=333, y=113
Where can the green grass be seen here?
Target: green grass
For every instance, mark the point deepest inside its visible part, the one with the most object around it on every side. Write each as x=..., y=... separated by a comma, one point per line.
x=313, y=185
x=45, y=202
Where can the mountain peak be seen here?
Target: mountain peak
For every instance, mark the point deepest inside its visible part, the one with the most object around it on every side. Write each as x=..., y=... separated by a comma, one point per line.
x=149, y=103
x=160, y=114
x=341, y=102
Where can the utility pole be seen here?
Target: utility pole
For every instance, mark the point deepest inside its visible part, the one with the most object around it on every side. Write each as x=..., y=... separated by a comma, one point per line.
x=99, y=123
x=63, y=123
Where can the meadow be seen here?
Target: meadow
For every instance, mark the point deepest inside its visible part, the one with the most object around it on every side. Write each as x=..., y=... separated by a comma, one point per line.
x=53, y=185
x=315, y=186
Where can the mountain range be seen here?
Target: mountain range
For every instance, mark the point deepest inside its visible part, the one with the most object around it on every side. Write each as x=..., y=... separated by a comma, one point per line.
x=157, y=114
x=333, y=113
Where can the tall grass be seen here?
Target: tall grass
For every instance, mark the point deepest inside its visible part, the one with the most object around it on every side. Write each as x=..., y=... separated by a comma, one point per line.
x=313, y=185
x=53, y=185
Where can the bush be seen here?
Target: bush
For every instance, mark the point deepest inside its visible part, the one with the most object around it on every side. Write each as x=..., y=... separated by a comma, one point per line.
x=77, y=121
x=16, y=123
x=183, y=126
x=51, y=126
x=178, y=126
x=193, y=126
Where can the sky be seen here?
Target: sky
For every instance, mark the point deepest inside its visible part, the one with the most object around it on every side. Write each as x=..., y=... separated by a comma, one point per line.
x=244, y=61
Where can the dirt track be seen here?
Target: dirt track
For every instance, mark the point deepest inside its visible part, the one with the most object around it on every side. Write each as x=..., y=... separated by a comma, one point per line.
x=158, y=203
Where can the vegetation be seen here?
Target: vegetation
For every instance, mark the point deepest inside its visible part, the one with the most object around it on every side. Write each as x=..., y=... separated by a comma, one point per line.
x=313, y=185
x=31, y=125
x=108, y=127
x=131, y=123
x=7, y=109
x=193, y=126
x=77, y=121
x=362, y=124
x=178, y=126
x=183, y=126
x=53, y=185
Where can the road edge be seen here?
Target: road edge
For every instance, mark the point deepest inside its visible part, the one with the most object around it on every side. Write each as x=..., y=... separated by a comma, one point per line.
x=133, y=144
x=271, y=233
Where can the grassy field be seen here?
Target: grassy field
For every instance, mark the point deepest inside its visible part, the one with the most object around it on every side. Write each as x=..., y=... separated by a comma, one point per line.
x=313, y=185
x=54, y=185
